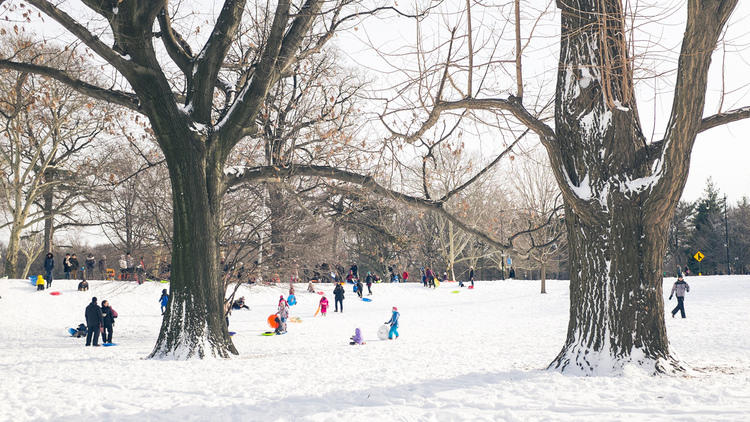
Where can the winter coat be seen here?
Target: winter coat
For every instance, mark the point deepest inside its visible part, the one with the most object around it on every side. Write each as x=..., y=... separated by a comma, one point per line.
x=471, y=274
x=66, y=264
x=49, y=264
x=283, y=310
x=338, y=292
x=323, y=305
x=368, y=280
x=90, y=263
x=108, y=316
x=394, y=319
x=164, y=299
x=74, y=263
x=93, y=315
x=679, y=288
x=357, y=338
x=40, y=281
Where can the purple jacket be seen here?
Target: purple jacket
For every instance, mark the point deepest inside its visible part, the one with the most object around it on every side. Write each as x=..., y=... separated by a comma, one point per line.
x=357, y=336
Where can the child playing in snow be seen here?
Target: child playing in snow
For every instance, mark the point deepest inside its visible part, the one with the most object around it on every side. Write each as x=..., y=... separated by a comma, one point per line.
x=164, y=299
x=394, y=324
x=357, y=337
x=323, y=306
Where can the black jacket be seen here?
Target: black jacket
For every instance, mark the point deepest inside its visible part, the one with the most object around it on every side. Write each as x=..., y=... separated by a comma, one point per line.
x=49, y=264
x=93, y=315
x=74, y=264
x=338, y=292
x=107, y=318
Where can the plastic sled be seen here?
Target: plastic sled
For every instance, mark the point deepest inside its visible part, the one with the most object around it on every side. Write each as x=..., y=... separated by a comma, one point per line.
x=321, y=293
x=366, y=299
x=32, y=278
x=109, y=344
x=471, y=287
x=295, y=319
x=55, y=293
x=456, y=291
x=272, y=321
x=72, y=331
x=268, y=333
x=163, y=281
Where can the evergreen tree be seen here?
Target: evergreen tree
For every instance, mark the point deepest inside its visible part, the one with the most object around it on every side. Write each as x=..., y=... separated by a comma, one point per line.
x=739, y=236
x=708, y=232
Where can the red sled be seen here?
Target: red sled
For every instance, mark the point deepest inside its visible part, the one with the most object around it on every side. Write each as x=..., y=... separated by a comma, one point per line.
x=55, y=293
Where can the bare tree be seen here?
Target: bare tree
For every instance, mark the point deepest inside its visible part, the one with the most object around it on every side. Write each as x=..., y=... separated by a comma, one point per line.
x=619, y=190
x=539, y=203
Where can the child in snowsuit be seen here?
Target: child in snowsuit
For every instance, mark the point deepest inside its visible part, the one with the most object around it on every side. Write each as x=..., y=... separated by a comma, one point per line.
x=163, y=300
x=357, y=337
x=40, y=283
x=360, y=288
x=323, y=306
x=394, y=324
x=80, y=331
x=283, y=315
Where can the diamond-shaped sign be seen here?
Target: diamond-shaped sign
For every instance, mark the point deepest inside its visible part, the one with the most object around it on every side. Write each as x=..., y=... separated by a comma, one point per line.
x=699, y=256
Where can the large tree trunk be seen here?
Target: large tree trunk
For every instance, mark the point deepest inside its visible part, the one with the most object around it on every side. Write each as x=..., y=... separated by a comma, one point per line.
x=616, y=246
x=49, y=222
x=194, y=324
x=616, y=302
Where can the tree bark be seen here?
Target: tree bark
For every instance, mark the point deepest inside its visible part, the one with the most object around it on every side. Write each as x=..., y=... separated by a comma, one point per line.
x=194, y=324
x=543, y=276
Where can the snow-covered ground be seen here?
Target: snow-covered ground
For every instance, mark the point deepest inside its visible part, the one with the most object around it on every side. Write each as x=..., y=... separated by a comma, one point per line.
x=472, y=355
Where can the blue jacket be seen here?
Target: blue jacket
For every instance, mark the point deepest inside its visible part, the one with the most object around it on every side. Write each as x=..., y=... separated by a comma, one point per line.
x=164, y=299
x=394, y=319
x=49, y=264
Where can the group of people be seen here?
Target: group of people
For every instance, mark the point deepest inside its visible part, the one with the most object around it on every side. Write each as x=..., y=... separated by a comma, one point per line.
x=72, y=268
x=99, y=320
x=132, y=270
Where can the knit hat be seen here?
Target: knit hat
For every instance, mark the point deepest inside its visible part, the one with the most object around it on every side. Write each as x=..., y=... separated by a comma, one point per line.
x=395, y=308
x=93, y=299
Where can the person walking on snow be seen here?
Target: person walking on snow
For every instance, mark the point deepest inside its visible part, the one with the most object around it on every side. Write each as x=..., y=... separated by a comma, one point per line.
x=49, y=267
x=94, y=321
x=679, y=288
x=471, y=276
x=338, y=294
x=66, y=266
x=323, y=305
x=163, y=300
x=394, y=324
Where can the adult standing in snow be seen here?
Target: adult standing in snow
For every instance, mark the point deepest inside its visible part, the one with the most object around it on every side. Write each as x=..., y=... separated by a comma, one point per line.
x=49, y=267
x=679, y=288
x=140, y=271
x=471, y=276
x=338, y=294
x=93, y=322
x=130, y=262
x=74, y=266
x=394, y=324
x=108, y=321
x=360, y=288
x=66, y=266
x=103, y=267
x=368, y=281
x=90, y=264
x=123, y=268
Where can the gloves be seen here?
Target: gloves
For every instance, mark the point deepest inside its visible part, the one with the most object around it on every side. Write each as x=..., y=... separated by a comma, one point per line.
x=670, y=297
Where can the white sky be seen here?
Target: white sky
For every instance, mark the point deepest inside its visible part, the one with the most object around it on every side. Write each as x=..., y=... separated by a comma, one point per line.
x=721, y=153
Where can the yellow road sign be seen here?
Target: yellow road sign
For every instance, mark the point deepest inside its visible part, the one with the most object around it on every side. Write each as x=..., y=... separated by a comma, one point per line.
x=699, y=256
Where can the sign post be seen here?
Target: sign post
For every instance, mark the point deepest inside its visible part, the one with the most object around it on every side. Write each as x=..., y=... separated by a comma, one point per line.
x=699, y=257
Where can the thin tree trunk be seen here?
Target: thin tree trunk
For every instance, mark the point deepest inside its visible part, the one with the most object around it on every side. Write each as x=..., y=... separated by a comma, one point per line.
x=543, y=272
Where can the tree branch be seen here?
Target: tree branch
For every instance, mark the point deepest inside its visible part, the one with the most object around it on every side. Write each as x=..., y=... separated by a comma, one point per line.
x=121, y=98
x=724, y=118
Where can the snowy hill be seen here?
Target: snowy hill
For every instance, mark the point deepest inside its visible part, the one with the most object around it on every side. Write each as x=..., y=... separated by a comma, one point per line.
x=471, y=355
